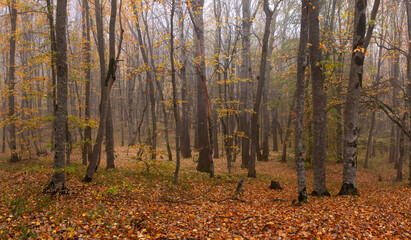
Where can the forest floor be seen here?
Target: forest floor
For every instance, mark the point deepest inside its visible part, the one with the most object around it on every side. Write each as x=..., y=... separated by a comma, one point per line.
x=130, y=202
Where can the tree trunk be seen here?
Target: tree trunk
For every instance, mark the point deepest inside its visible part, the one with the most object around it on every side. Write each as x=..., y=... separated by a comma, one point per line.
x=261, y=82
x=11, y=83
x=215, y=132
x=299, y=121
x=130, y=103
x=86, y=151
x=121, y=113
x=340, y=142
x=58, y=180
x=287, y=131
x=274, y=119
x=185, y=136
x=245, y=74
x=360, y=44
x=216, y=63
x=107, y=80
x=372, y=125
x=319, y=118
x=370, y=138
x=160, y=91
x=408, y=5
x=95, y=155
x=149, y=78
x=53, y=50
x=112, y=53
x=174, y=85
x=265, y=109
x=205, y=160
x=3, y=144
x=401, y=154
x=109, y=137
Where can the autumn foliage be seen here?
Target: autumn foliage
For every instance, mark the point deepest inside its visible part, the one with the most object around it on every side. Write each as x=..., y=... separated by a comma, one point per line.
x=129, y=202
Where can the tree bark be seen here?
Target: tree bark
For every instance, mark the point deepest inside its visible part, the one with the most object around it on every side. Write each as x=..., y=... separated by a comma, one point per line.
x=274, y=120
x=299, y=121
x=245, y=74
x=130, y=102
x=58, y=180
x=107, y=80
x=112, y=53
x=408, y=6
x=265, y=109
x=360, y=44
x=185, y=136
x=96, y=153
x=288, y=131
x=401, y=154
x=261, y=82
x=174, y=85
x=318, y=96
x=53, y=50
x=86, y=151
x=216, y=63
x=205, y=160
x=11, y=83
x=109, y=137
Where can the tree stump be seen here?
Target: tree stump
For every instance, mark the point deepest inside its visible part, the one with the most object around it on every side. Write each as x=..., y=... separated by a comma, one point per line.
x=275, y=185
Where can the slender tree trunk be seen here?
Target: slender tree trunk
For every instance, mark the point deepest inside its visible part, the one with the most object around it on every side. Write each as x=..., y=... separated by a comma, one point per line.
x=274, y=120
x=11, y=83
x=261, y=82
x=130, y=103
x=360, y=44
x=408, y=6
x=160, y=91
x=215, y=132
x=149, y=78
x=58, y=179
x=185, y=136
x=338, y=108
x=265, y=110
x=216, y=63
x=372, y=125
x=205, y=160
x=299, y=121
x=109, y=137
x=319, y=118
x=86, y=151
x=370, y=138
x=3, y=144
x=95, y=155
x=106, y=85
x=288, y=131
x=391, y=157
x=174, y=85
x=121, y=113
x=112, y=53
x=245, y=74
x=53, y=48
x=401, y=154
